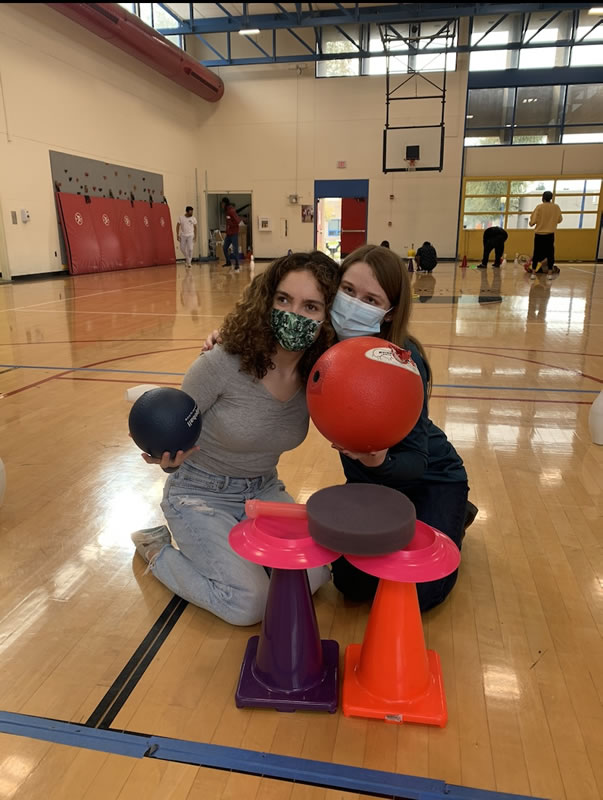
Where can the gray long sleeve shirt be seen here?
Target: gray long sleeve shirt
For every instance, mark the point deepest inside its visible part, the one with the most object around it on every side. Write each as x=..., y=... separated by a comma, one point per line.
x=245, y=428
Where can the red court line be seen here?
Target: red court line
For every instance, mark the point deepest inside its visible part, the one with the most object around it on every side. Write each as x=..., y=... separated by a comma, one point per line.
x=438, y=396
x=527, y=360
x=517, y=349
x=115, y=380
x=101, y=341
x=461, y=347
x=94, y=364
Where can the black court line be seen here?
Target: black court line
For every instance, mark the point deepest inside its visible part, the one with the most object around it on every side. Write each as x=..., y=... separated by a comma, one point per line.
x=123, y=686
x=323, y=774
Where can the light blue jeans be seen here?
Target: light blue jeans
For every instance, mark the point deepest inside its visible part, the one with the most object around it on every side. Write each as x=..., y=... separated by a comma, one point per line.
x=200, y=510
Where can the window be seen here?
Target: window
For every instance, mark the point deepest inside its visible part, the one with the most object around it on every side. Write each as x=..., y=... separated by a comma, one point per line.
x=378, y=65
x=545, y=27
x=163, y=19
x=492, y=32
x=486, y=187
x=489, y=115
x=510, y=203
x=399, y=39
x=156, y=16
x=590, y=29
x=532, y=187
x=535, y=115
x=584, y=104
x=539, y=105
x=334, y=41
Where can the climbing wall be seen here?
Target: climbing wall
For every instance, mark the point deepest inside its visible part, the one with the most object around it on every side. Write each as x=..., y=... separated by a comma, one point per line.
x=110, y=217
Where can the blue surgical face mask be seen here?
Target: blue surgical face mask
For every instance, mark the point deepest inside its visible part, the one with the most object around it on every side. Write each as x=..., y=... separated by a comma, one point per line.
x=351, y=317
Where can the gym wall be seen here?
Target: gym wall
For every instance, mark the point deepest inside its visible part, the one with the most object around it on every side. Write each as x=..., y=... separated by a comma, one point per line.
x=67, y=90
x=268, y=114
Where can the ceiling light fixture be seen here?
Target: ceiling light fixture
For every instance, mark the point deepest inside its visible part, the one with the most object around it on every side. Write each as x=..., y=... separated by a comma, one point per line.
x=249, y=32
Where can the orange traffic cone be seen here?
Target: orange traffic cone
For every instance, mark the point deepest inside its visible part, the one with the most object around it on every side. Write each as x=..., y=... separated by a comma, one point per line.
x=464, y=262
x=392, y=676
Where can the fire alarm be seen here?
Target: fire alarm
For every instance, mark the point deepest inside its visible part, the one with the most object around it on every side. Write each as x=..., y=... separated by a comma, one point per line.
x=293, y=199
x=392, y=197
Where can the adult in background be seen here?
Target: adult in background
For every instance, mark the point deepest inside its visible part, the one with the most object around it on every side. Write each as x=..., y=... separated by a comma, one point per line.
x=545, y=218
x=186, y=233
x=426, y=258
x=232, y=233
x=494, y=239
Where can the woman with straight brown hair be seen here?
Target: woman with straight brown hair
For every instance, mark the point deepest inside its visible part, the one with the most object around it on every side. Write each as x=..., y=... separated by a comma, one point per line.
x=374, y=299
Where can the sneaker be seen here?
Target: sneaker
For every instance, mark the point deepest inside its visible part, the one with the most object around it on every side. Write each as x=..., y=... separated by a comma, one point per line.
x=237, y=268
x=470, y=514
x=482, y=266
x=549, y=276
x=149, y=541
x=225, y=265
x=532, y=276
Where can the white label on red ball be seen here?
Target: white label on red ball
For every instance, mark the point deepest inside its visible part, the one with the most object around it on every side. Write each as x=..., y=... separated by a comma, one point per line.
x=395, y=358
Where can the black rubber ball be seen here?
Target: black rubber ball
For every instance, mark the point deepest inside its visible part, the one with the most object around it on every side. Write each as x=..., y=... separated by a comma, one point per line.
x=164, y=420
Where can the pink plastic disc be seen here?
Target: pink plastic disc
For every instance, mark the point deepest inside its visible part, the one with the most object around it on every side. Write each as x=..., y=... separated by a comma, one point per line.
x=279, y=542
x=429, y=555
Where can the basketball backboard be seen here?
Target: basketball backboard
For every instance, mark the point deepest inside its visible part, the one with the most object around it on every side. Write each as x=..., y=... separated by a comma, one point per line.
x=399, y=144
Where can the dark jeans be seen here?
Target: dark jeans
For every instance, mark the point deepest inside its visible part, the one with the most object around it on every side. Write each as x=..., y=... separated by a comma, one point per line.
x=498, y=248
x=544, y=247
x=441, y=505
x=231, y=239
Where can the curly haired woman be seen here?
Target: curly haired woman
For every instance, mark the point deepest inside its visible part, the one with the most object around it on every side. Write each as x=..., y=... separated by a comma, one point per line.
x=250, y=391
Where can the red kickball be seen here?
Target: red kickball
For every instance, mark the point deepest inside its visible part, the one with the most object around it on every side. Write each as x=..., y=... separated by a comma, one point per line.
x=365, y=394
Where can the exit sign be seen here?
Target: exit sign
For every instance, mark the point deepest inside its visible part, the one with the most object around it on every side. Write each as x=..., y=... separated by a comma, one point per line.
x=342, y=164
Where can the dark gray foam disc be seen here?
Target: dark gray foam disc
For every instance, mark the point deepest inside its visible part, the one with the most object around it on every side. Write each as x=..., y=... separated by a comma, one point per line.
x=361, y=519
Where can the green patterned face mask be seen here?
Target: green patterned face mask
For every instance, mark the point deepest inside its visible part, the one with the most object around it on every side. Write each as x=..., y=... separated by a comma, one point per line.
x=292, y=331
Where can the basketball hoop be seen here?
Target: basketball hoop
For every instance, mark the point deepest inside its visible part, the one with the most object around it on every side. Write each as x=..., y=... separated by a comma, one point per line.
x=411, y=164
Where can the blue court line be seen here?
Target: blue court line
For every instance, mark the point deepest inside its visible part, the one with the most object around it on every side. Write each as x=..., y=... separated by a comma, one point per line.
x=180, y=374
x=251, y=762
x=93, y=369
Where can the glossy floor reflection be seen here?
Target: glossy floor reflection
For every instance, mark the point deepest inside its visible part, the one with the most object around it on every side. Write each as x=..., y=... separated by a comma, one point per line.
x=516, y=365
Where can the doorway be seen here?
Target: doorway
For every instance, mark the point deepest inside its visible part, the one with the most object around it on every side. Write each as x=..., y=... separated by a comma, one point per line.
x=341, y=216
x=216, y=221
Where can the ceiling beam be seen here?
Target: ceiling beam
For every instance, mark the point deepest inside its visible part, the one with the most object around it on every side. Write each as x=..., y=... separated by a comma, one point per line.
x=338, y=15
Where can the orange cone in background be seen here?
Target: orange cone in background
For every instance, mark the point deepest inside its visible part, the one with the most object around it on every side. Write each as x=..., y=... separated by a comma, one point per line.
x=464, y=262
x=392, y=676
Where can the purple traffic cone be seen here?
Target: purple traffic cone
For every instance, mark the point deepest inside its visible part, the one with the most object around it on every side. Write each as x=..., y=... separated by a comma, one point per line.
x=288, y=666
x=289, y=654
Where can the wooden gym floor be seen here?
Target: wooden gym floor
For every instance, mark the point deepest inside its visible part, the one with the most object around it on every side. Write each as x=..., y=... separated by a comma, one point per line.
x=520, y=637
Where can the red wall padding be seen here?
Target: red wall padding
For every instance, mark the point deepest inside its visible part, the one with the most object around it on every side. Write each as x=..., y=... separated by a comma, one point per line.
x=106, y=234
x=162, y=231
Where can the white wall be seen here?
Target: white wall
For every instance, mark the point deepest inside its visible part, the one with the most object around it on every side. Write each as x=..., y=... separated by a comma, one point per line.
x=275, y=133
x=534, y=160
x=66, y=89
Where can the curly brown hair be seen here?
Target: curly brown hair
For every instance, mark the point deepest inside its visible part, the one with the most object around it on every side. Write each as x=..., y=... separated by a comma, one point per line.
x=247, y=332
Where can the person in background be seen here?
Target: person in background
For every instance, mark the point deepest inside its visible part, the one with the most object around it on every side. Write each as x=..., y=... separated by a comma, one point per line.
x=494, y=239
x=545, y=218
x=186, y=233
x=232, y=233
x=426, y=258
x=384, y=243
